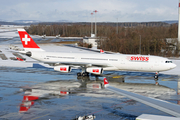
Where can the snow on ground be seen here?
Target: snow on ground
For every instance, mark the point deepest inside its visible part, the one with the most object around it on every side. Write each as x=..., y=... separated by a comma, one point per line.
x=7, y=31
x=10, y=27
x=8, y=34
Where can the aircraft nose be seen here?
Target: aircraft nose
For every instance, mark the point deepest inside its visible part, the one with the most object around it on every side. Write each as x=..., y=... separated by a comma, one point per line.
x=173, y=65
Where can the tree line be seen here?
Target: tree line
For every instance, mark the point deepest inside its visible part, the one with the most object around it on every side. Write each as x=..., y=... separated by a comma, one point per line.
x=147, y=40
x=128, y=40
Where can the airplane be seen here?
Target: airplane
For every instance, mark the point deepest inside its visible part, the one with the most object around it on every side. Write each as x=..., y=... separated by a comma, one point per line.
x=94, y=63
x=167, y=107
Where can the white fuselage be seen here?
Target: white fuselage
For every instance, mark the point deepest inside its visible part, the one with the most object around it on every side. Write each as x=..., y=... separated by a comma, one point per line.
x=125, y=62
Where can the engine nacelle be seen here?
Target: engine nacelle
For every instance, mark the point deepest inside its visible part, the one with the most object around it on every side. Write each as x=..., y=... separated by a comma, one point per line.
x=63, y=68
x=95, y=70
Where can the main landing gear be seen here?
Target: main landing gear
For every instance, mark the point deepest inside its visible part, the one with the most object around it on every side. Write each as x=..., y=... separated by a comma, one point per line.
x=82, y=74
x=156, y=78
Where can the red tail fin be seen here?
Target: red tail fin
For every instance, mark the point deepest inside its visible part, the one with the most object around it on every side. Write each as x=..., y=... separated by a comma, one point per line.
x=26, y=40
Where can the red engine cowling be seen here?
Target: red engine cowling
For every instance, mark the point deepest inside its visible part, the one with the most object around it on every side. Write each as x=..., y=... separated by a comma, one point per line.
x=95, y=70
x=62, y=68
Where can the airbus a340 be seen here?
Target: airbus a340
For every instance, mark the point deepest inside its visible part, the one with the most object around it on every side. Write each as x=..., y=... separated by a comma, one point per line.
x=94, y=63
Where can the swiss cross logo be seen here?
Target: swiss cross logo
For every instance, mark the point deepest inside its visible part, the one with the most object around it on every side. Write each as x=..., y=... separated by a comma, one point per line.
x=27, y=99
x=26, y=39
x=106, y=81
x=95, y=70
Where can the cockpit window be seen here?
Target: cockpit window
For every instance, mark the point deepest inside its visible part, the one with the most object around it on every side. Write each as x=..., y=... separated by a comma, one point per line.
x=168, y=61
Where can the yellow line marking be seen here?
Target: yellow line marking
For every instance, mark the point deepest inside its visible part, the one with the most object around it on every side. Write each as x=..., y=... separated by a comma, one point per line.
x=117, y=77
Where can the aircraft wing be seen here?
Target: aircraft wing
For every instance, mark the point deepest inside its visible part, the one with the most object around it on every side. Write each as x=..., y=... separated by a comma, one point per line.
x=164, y=106
x=89, y=49
x=79, y=64
x=103, y=65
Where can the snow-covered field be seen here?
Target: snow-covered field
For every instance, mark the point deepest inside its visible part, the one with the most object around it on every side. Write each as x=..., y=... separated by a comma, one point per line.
x=9, y=31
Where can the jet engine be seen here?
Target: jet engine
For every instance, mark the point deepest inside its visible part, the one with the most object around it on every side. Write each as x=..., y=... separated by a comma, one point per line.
x=63, y=68
x=95, y=70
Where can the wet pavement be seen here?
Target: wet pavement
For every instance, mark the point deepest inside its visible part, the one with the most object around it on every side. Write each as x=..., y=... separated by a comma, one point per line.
x=61, y=96
x=42, y=93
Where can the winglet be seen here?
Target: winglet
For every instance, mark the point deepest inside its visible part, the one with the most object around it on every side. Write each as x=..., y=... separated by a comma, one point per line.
x=101, y=51
x=106, y=83
x=20, y=59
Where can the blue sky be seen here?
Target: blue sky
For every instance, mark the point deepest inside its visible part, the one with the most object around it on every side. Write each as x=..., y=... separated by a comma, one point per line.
x=80, y=10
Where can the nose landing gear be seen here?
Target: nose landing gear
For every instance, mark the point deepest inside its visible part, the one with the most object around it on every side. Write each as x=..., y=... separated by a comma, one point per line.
x=156, y=75
x=156, y=78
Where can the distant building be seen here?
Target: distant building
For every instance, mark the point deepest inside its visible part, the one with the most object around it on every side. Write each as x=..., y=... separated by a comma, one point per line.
x=172, y=42
x=91, y=40
x=171, y=45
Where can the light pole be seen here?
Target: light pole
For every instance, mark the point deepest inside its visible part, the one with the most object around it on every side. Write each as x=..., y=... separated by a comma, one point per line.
x=117, y=26
x=95, y=23
x=91, y=23
x=140, y=45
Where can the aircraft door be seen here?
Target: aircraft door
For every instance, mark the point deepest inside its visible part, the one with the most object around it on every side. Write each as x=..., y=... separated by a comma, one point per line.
x=122, y=64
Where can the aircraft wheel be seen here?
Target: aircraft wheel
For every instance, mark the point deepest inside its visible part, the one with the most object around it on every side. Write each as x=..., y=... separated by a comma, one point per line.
x=79, y=74
x=85, y=74
x=156, y=77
